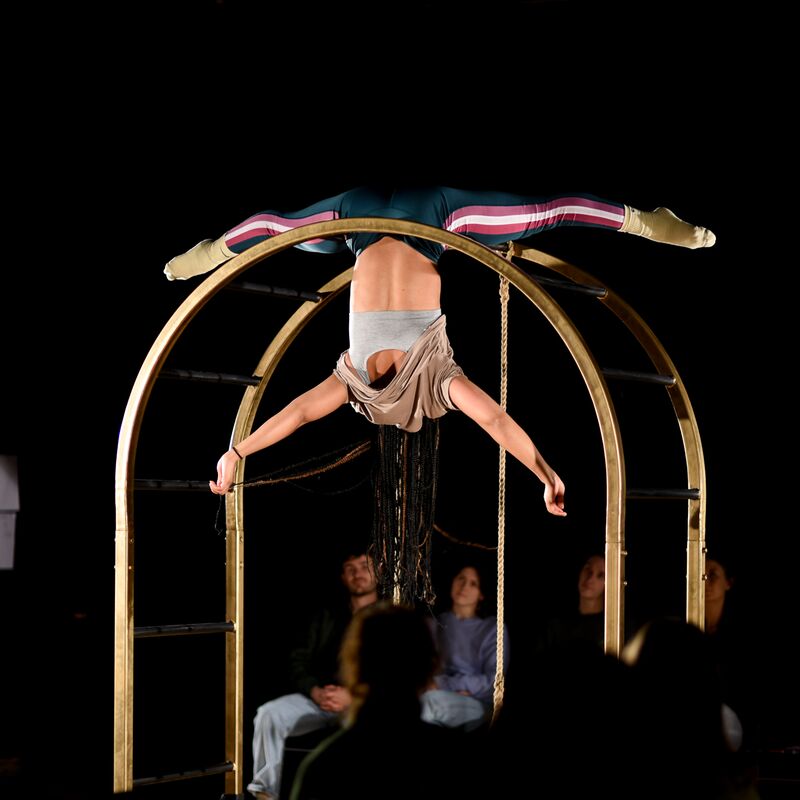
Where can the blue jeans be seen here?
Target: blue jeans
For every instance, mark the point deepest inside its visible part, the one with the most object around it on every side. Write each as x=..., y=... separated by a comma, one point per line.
x=296, y=715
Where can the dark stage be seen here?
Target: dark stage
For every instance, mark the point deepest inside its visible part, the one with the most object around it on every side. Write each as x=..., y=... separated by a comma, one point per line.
x=209, y=122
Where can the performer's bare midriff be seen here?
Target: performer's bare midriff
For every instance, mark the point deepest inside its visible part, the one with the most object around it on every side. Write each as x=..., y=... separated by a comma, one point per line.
x=391, y=276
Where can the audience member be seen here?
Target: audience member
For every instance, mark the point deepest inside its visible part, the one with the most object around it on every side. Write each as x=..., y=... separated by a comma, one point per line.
x=682, y=748
x=320, y=698
x=587, y=621
x=734, y=649
x=385, y=749
x=467, y=644
x=565, y=728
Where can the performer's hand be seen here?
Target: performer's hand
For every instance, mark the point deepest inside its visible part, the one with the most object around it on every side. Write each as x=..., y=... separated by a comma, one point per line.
x=554, y=496
x=226, y=467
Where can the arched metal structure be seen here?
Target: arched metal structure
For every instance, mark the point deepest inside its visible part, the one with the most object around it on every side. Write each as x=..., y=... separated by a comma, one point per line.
x=667, y=375
x=590, y=371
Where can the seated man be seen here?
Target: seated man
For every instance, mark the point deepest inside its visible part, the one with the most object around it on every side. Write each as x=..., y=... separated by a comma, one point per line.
x=320, y=697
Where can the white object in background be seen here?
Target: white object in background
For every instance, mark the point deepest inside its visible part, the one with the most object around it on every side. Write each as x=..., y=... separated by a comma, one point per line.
x=9, y=505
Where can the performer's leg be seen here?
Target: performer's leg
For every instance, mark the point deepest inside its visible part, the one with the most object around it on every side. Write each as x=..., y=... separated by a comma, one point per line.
x=208, y=254
x=452, y=709
x=493, y=218
x=290, y=715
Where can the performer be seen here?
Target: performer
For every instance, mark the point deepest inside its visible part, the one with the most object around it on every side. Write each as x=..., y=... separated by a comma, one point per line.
x=399, y=368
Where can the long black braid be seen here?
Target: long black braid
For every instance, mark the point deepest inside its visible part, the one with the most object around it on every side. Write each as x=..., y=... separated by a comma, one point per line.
x=405, y=477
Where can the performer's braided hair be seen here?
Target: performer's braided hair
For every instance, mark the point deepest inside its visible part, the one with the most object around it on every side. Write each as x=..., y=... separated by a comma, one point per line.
x=405, y=477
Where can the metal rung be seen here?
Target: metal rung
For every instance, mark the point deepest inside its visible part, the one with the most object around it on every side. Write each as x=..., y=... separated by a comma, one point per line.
x=209, y=377
x=193, y=629
x=569, y=286
x=642, y=377
x=275, y=291
x=663, y=494
x=148, y=485
x=217, y=769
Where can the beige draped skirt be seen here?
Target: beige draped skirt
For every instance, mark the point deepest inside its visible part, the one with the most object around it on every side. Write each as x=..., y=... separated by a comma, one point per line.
x=421, y=387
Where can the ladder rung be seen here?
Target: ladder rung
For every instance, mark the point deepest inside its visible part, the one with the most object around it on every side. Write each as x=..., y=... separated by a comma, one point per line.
x=209, y=377
x=643, y=377
x=663, y=494
x=217, y=769
x=150, y=485
x=569, y=286
x=274, y=291
x=151, y=631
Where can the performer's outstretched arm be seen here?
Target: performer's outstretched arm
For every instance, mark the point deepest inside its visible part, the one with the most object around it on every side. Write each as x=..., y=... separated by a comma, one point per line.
x=481, y=408
x=312, y=405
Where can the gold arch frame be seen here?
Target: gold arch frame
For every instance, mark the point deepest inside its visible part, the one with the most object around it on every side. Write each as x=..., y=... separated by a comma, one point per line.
x=589, y=369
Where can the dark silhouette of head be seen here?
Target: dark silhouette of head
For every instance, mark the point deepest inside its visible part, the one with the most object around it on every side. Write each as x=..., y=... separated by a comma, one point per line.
x=680, y=701
x=388, y=657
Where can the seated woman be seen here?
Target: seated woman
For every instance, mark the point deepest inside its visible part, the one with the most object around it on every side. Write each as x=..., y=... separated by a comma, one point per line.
x=466, y=639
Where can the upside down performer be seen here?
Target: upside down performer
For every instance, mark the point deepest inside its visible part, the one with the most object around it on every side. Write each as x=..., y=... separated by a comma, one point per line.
x=399, y=369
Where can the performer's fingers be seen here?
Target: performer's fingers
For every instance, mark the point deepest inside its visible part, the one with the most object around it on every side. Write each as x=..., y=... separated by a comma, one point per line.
x=219, y=488
x=557, y=509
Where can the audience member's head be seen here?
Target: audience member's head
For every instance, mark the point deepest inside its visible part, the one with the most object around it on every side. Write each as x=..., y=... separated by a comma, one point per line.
x=471, y=589
x=720, y=578
x=676, y=671
x=358, y=574
x=592, y=585
x=466, y=596
x=388, y=657
x=573, y=704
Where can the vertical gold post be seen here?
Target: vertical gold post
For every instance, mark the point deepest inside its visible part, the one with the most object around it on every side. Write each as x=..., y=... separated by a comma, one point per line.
x=235, y=540
x=123, y=652
x=234, y=640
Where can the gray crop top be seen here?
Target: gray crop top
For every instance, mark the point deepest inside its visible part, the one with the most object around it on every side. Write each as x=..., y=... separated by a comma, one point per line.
x=372, y=331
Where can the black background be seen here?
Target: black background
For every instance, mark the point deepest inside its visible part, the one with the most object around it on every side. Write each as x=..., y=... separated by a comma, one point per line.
x=168, y=129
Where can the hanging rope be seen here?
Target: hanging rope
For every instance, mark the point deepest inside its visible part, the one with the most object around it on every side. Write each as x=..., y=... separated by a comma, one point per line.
x=461, y=542
x=268, y=480
x=499, y=678
x=287, y=475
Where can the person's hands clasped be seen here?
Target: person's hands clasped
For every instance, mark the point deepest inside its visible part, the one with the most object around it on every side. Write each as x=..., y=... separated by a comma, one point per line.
x=226, y=469
x=331, y=698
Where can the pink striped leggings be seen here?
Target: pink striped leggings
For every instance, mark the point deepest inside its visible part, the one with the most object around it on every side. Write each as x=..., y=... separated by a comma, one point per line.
x=490, y=218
